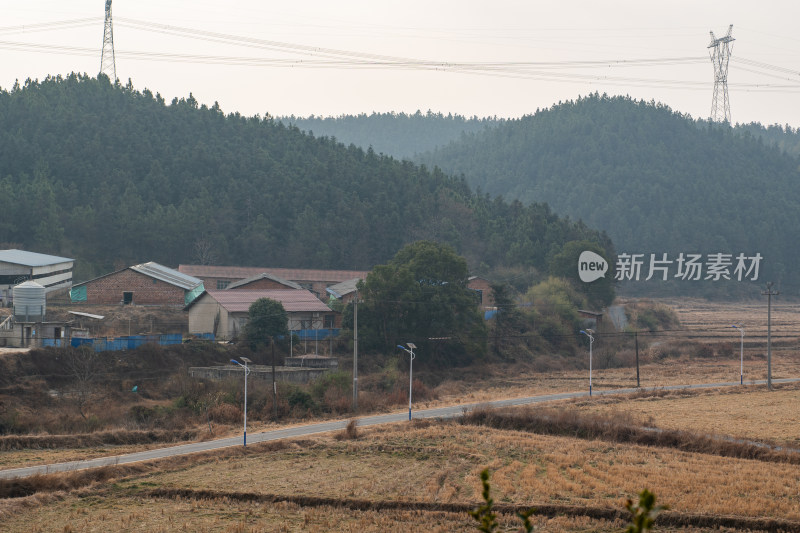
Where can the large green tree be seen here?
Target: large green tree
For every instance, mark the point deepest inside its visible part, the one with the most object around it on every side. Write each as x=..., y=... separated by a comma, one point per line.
x=421, y=296
x=266, y=320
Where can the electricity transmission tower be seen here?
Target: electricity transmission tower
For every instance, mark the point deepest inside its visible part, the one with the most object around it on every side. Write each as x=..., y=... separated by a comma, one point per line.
x=107, y=63
x=720, y=53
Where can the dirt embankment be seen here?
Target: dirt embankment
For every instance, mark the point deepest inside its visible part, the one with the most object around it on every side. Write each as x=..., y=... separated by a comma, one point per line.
x=121, y=320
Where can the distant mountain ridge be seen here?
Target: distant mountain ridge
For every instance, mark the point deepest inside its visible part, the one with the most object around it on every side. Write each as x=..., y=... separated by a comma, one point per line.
x=399, y=135
x=655, y=180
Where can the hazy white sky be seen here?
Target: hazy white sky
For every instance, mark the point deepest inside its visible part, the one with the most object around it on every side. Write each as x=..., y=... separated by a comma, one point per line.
x=505, y=58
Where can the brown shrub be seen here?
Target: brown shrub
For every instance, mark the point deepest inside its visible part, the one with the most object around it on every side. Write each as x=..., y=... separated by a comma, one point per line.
x=225, y=413
x=350, y=432
x=337, y=400
x=704, y=351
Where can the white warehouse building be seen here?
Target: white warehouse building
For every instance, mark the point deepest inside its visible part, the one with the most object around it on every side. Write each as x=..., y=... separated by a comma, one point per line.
x=18, y=266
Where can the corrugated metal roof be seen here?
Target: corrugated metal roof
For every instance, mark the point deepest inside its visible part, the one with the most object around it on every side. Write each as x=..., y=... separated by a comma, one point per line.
x=293, y=300
x=168, y=275
x=292, y=274
x=87, y=315
x=264, y=275
x=343, y=288
x=32, y=259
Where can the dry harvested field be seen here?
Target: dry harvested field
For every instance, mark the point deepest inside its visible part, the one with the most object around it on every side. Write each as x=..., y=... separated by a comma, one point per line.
x=424, y=476
x=715, y=318
x=428, y=472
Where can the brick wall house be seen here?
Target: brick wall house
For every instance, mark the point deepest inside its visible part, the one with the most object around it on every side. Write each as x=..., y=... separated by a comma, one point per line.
x=485, y=293
x=145, y=284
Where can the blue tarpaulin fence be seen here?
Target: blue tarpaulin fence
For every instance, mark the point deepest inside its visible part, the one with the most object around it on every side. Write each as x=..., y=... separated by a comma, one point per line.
x=318, y=334
x=103, y=344
x=52, y=342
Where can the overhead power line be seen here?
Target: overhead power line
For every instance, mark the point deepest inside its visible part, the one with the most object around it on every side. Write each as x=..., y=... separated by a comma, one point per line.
x=313, y=57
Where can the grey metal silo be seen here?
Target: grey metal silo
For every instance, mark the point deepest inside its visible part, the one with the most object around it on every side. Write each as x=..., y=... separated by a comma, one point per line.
x=29, y=302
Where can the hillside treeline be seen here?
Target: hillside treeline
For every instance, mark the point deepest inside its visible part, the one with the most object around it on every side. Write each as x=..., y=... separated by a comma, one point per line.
x=400, y=135
x=655, y=180
x=113, y=176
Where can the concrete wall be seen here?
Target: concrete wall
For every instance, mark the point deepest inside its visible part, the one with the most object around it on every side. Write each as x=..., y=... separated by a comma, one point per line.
x=110, y=290
x=283, y=374
x=202, y=314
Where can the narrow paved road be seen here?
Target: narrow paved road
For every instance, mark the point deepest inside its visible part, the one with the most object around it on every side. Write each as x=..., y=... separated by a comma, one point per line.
x=324, y=427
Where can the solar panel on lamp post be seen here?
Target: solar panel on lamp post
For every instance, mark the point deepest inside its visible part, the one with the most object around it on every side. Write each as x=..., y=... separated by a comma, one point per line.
x=410, y=351
x=246, y=373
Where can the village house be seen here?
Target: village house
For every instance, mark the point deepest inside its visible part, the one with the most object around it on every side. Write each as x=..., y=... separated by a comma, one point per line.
x=316, y=281
x=224, y=313
x=145, y=284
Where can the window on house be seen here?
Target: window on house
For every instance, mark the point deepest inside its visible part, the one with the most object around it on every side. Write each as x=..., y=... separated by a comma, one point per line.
x=127, y=298
x=328, y=322
x=223, y=284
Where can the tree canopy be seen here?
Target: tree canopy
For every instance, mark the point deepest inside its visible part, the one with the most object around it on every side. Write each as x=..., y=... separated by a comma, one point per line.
x=266, y=319
x=421, y=296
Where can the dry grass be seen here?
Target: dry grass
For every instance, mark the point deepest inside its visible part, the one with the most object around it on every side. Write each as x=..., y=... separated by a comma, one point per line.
x=441, y=463
x=142, y=514
x=422, y=462
x=751, y=413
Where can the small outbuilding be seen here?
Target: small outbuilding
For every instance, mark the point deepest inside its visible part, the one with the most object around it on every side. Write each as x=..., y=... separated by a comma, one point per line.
x=483, y=290
x=345, y=291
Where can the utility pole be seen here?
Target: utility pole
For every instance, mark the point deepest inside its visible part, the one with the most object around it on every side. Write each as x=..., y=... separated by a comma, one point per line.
x=769, y=293
x=274, y=386
x=107, y=63
x=636, y=339
x=355, y=353
x=720, y=53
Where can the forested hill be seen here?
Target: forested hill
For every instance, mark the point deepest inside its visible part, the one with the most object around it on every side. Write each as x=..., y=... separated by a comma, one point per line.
x=408, y=136
x=395, y=134
x=655, y=180
x=112, y=177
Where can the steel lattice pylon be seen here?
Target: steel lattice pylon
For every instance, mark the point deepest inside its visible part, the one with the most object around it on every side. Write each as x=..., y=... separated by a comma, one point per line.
x=720, y=52
x=107, y=63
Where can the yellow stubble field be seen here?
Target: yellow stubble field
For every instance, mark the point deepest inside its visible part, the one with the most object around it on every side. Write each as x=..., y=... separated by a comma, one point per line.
x=431, y=462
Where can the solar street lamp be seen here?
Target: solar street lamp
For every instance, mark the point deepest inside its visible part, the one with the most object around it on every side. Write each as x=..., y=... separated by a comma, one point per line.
x=589, y=333
x=741, y=354
x=410, y=351
x=246, y=373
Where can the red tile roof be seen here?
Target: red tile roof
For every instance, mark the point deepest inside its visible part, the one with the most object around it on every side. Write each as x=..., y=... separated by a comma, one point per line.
x=293, y=300
x=291, y=274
